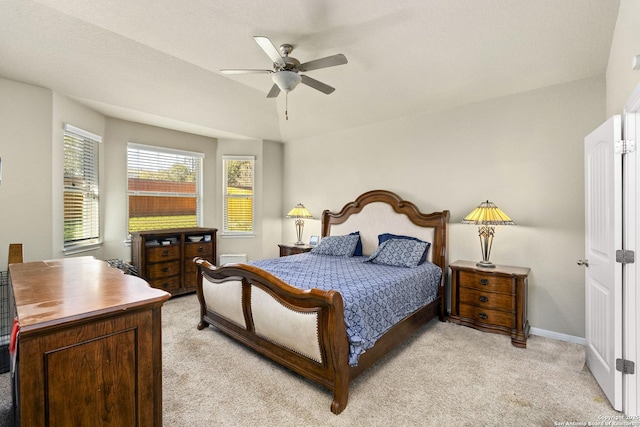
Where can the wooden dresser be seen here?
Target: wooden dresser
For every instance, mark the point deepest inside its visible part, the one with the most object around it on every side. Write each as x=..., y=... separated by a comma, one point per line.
x=90, y=345
x=165, y=257
x=491, y=299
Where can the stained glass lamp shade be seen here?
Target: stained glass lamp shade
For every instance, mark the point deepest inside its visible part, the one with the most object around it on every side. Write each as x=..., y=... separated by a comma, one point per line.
x=300, y=213
x=486, y=216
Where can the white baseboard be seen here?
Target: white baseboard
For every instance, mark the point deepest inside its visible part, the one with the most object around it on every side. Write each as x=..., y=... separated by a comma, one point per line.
x=557, y=336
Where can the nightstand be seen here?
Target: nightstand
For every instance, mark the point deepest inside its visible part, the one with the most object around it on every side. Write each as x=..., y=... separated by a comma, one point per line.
x=286, y=250
x=491, y=299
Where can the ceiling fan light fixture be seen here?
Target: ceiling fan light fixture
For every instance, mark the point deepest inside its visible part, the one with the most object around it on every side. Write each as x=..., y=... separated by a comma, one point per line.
x=286, y=80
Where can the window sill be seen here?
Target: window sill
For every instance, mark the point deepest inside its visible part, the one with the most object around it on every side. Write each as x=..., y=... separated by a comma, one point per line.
x=73, y=250
x=237, y=236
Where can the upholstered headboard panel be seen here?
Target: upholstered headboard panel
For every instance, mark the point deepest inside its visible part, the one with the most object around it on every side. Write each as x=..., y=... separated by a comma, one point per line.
x=377, y=218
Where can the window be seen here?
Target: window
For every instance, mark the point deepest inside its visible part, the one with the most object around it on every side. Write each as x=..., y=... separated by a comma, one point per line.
x=164, y=188
x=81, y=196
x=238, y=194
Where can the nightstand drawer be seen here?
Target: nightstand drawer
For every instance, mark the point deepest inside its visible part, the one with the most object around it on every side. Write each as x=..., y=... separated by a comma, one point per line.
x=484, y=299
x=286, y=250
x=486, y=282
x=488, y=316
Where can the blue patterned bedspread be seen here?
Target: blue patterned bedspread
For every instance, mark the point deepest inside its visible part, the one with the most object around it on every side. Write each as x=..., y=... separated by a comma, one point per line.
x=376, y=297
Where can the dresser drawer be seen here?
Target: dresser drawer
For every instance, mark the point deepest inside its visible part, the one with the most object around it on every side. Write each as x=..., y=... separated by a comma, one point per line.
x=164, y=269
x=488, y=316
x=192, y=250
x=163, y=253
x=169, y=284
x=484, y=299
x=486, y=282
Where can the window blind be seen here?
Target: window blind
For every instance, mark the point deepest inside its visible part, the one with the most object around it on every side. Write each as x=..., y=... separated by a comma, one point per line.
x=238, y=191
x=81, y=189
x=164, y=188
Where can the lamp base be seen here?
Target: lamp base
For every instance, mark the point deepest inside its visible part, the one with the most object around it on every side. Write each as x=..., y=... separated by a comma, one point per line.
x=485, y=264
x=299, y=243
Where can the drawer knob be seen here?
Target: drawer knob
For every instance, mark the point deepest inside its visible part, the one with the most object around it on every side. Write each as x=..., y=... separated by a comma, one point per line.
x=483, y=316
x=483, y=298
x=200, y=249
x=165, y=269
x=165, y=285
x=484, y=282
x=165, y=253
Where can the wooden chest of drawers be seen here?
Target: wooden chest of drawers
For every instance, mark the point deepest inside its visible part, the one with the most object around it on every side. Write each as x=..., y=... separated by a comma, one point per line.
x=165, y=257
x=491, y=299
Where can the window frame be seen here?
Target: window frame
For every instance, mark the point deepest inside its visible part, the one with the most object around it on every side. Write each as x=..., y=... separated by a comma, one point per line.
x=90, y=153
x=225, y=197
x=199, y=194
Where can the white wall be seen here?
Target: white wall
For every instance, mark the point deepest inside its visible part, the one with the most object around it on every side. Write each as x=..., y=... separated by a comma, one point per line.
x=622, y=80
x=523, y=152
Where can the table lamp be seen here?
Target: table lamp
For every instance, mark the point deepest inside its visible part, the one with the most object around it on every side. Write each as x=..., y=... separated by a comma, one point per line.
x=486, y=216
x=299, y=212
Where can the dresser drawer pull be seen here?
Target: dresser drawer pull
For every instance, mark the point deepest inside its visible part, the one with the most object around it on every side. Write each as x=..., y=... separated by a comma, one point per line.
x=165, y=269
x=483, y=298
x=165, y=285
x=483, y=316
x=484, y=282
x=200, y=249
x=165, y=253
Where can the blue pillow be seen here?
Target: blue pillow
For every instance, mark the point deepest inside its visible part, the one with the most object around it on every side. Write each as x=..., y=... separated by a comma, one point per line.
x=358, y=251
x=399, y=252
x=343, y=246
x=387, y=236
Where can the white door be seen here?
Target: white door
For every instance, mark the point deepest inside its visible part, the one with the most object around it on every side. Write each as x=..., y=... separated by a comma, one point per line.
x=603, y=277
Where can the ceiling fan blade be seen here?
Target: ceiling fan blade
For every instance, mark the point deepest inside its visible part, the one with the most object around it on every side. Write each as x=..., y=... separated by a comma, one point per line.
x=245, y=71
x=274, y=92
x=324, y=88
x=329, y=61
x=269, y=49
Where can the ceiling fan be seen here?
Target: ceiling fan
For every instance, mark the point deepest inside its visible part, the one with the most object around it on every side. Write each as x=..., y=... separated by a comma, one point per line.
x=286, y=69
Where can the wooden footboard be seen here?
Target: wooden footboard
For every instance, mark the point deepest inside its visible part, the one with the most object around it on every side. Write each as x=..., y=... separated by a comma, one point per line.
x=303, y=330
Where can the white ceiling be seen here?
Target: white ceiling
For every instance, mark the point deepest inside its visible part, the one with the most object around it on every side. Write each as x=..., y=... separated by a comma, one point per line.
x=158, y=61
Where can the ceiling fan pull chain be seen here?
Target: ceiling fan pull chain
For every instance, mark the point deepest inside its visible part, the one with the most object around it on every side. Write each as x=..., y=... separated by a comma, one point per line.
x=286, y=105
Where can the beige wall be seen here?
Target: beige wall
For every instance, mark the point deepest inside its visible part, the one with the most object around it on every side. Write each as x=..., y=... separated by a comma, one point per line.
x=64, y=111
x=622, y=80
x=31, y=148
x=268, y=199
x=114, y=200
x=26, y=151
x=523, y=152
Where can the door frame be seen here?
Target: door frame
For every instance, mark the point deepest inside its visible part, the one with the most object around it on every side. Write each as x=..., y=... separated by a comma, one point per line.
x=631, y=235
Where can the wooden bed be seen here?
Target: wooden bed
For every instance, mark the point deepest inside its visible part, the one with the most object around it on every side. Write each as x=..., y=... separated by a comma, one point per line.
x=304, y=330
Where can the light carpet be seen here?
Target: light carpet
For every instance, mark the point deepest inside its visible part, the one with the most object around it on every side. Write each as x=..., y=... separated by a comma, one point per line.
x=445, y=375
